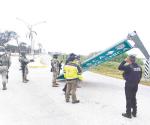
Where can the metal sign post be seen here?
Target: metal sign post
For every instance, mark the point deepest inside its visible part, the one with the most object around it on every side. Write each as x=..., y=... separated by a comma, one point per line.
x=147, y=69
x=138, y=44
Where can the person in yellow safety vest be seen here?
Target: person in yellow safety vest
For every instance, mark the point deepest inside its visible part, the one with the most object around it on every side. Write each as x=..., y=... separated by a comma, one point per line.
x=80, y=77
x=71, y=72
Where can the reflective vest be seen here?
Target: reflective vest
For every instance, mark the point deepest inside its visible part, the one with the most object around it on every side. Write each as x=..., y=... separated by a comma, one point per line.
x=80, y=77
x=70, y=72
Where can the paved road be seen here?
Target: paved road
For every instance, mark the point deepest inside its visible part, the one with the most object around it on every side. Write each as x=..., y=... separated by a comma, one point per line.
x=37, y=103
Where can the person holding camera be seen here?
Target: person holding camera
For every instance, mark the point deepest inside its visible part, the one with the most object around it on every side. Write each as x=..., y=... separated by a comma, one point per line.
x=132, y=75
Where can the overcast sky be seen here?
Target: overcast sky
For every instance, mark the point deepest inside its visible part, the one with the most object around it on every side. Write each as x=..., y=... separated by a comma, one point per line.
x=79, y=26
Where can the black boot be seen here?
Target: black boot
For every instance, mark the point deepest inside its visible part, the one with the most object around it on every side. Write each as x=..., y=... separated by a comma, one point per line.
x=67, y=100
x=65, y=87
x=133, y=114
x=4, y=86
x=126, y=115
x=77, y=101
x=55, y=86
x=27, y=80
x=24, y=81
x=25, y=77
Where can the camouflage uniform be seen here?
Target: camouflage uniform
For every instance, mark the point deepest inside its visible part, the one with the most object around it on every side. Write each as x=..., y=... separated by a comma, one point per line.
x=24, y=61
x=4, y=66
x=55, y=70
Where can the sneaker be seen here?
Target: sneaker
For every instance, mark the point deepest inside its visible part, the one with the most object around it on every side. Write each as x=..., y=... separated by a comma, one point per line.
x=77, y=101
x=126, y=115
x=133, y=114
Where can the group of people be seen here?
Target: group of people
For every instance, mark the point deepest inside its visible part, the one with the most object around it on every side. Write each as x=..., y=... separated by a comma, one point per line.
x=5, y=62
x=72, y=73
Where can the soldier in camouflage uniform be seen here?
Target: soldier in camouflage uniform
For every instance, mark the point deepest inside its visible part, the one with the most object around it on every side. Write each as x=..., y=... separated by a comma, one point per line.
x=55, y=70
x=4, y=66
x=24, y=62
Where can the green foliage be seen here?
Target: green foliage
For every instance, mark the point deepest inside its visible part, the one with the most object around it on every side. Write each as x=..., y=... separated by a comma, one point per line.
x=62, y=57
x=111, y=69
x=119, y=58
x=83, y=58
x=139, y=61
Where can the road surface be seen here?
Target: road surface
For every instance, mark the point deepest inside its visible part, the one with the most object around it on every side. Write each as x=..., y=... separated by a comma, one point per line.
x=38, y=103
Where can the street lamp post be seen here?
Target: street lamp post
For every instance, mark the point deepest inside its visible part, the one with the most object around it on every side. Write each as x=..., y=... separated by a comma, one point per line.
x=31, y=32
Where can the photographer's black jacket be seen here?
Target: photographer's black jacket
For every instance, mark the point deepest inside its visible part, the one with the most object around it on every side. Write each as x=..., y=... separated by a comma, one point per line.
x=132, y=73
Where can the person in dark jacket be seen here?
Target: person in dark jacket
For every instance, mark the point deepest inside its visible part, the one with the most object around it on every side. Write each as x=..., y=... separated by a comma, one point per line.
x=132, y=75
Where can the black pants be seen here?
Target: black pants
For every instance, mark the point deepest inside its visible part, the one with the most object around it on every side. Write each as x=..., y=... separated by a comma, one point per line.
x=130, y=92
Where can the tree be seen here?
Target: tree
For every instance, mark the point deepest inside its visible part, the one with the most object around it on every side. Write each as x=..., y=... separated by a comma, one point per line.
x=6, y=36
x=31, y=33
x=23, y=47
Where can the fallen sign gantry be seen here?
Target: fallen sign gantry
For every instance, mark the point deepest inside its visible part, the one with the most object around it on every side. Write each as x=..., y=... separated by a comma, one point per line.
x=117, y=49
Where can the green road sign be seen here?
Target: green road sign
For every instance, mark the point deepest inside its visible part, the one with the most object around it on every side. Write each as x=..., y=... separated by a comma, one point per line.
x=104, y=56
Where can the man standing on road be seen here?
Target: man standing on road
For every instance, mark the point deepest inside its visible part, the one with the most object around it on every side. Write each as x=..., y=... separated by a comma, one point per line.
x=71, y=72
x=68, y=60
x=132, y=74
x=4, y=66
x=55, y=70
x=24, y=62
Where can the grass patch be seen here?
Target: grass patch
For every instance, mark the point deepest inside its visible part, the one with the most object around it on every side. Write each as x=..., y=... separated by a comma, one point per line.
x=111, y=69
